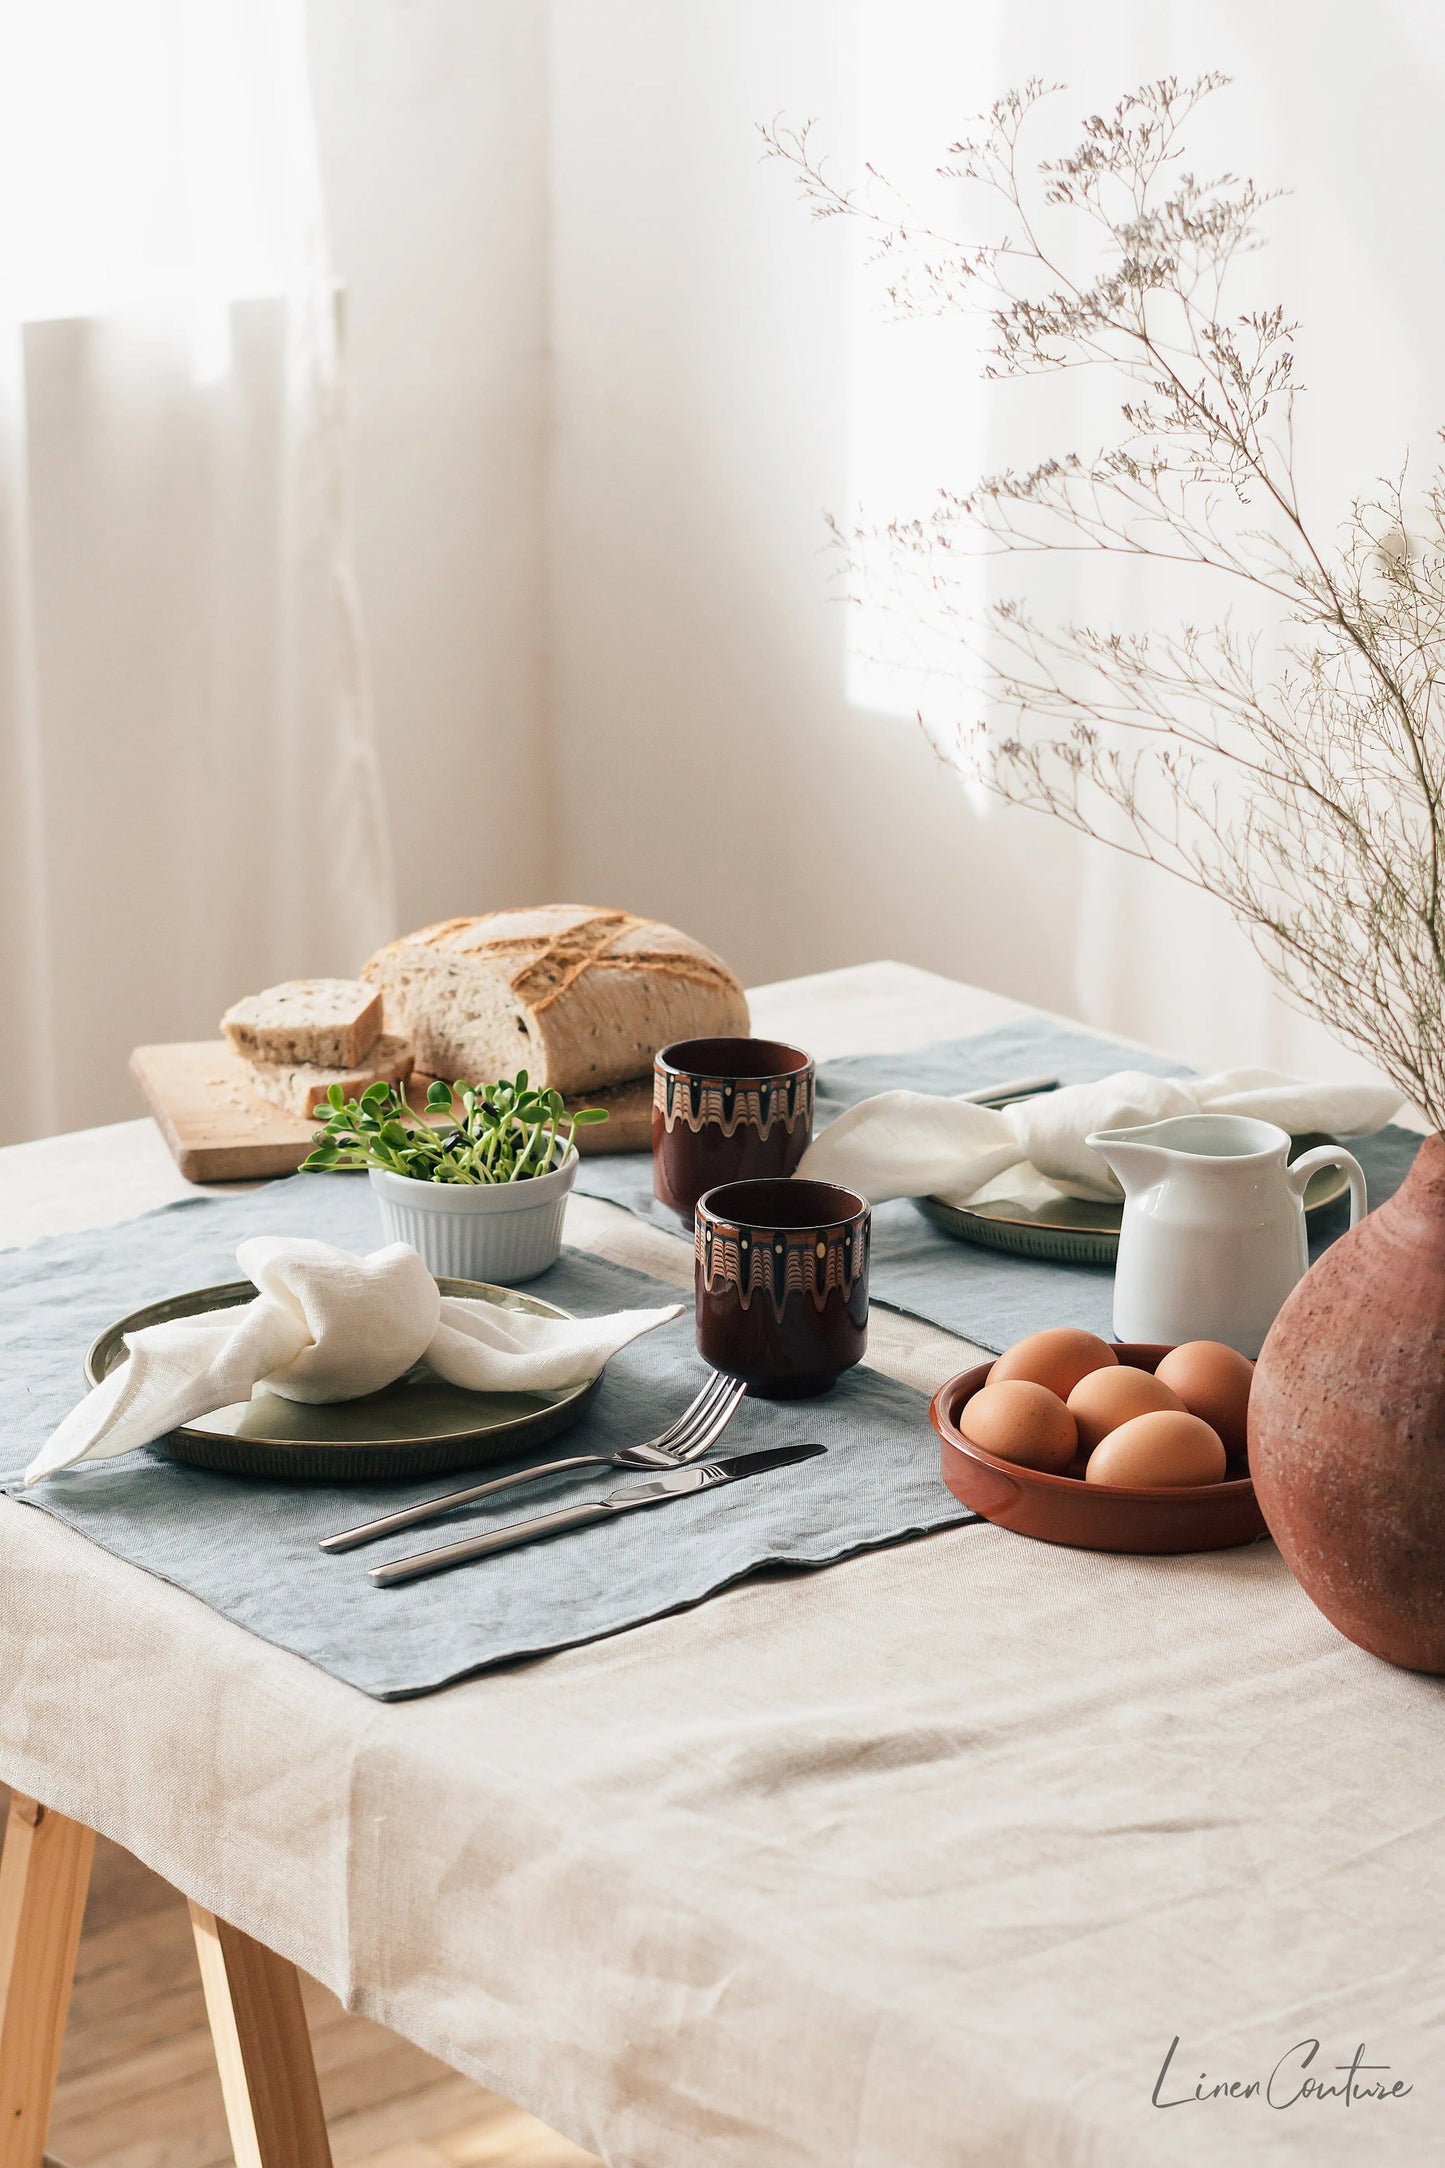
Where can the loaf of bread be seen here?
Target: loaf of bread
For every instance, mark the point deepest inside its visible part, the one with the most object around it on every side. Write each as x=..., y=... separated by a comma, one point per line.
x=577, y=997
x=300, y=1086
x=334, y=1022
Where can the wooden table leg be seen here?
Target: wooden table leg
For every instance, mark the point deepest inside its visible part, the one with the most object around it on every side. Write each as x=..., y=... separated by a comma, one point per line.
x=253, y=2000
x=44, y=1875
x=268, y=2077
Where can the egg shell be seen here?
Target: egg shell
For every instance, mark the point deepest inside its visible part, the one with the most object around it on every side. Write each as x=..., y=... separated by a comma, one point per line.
x=1213, y=1382
x=1167, y=1450
x=1104, y=1399
x=1057, y=1358
x=1019, y=1421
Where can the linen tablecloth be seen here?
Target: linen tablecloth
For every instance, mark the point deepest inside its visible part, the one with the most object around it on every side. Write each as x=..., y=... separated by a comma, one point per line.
x=918, y=1863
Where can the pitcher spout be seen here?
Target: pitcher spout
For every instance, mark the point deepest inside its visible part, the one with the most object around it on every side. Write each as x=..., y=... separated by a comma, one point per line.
x=1131, y=1158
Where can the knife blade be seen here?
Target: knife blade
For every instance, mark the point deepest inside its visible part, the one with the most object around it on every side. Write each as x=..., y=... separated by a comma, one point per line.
x=1004, y=1095
x=659, y=1490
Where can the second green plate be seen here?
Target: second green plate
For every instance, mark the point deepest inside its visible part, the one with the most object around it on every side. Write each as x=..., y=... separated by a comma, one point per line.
x=1071, y=1230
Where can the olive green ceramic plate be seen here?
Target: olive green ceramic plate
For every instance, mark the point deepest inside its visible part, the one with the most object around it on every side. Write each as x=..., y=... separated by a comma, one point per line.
x=1072, y=1231
x=419, y=1426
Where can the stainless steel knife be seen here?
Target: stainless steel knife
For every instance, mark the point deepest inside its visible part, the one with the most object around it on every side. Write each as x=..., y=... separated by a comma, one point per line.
x=677, y=1483
x=1003, y=1095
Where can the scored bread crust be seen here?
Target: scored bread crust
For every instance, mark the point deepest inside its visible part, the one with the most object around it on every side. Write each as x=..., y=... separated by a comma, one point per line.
x=578, y=997
x=300, y=1086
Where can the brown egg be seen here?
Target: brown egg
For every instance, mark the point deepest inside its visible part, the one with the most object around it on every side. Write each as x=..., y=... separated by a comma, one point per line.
x=1022, y=1422
x=1162, y=1451
x=1213, y=1381
x=1057, y=1359
x=1104, y=1399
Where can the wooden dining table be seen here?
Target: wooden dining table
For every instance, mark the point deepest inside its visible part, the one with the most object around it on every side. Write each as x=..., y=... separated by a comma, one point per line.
x=973, y=1850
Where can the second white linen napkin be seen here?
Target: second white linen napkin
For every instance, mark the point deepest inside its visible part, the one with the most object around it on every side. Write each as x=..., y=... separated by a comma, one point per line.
x=328, y=1326
x=909, y=1144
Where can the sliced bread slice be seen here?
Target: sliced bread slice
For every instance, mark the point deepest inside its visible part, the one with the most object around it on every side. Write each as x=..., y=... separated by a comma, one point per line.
x=331, y=1022
x=300, y=1086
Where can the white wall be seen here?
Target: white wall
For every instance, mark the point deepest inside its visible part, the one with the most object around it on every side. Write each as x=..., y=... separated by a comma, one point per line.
x=711, y=769
x=432, y=116
x=608, y=660
x=602, y=366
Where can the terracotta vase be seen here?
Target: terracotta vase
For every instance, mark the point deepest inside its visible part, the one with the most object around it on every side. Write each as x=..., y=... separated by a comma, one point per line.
x=1347, y=1425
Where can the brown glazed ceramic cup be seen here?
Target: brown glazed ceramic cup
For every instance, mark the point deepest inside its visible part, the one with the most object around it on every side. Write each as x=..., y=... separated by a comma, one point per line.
x=782, y=1284
x=727, y=1110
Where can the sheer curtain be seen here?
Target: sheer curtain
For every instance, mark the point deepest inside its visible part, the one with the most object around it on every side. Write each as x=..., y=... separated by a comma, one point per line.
x=190, y=802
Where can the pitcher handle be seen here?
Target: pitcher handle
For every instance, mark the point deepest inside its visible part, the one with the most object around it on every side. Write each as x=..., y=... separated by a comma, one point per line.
x=1331, y=1155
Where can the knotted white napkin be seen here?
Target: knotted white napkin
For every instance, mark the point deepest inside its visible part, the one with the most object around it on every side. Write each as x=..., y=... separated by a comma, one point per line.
x=907, y=1144
x=329, y=1326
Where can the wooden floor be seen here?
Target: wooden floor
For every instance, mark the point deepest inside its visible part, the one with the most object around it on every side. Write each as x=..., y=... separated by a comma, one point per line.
x=138, y=2086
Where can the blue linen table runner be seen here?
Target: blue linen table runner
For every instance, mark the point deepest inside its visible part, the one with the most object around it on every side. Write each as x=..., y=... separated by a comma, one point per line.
x=983, y=1296
x=248, y=1548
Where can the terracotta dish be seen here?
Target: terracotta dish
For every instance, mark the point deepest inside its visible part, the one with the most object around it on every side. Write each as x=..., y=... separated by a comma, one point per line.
x=1090, y=1516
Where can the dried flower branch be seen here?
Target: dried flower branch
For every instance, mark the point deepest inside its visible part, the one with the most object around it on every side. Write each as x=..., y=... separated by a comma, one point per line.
x=1296, y=771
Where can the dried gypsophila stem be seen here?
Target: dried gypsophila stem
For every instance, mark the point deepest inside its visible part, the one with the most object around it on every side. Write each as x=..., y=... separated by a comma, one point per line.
x=1300, y=778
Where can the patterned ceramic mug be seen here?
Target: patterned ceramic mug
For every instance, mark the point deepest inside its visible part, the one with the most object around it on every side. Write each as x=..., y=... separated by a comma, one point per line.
x=782, y=1284
x=726, y=1110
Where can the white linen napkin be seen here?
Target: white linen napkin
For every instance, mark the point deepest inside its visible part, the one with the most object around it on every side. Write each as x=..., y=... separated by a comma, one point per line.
x=908, y=1144
x=329, y=1326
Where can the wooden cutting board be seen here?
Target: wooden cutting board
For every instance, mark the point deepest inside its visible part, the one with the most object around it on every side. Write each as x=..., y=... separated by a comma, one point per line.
x=220, y=1131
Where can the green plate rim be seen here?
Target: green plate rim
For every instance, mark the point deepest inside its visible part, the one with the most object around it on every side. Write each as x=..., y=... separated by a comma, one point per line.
x=350, y=1459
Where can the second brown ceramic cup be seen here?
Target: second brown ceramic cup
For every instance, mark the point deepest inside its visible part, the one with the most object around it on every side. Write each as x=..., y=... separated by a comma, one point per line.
x=726, y=1110
x=782, y=1284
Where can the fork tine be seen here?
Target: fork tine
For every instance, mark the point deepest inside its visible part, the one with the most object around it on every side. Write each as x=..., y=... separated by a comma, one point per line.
x=681, y=1422
x=696, y=1411
x=717, y=1422
x=699, y=1421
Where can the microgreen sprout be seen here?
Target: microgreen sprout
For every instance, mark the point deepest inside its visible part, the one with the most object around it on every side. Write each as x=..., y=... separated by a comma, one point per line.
x=503, y=1132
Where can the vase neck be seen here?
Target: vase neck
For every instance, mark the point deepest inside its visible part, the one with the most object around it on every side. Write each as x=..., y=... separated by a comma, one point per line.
x=1417, y=1209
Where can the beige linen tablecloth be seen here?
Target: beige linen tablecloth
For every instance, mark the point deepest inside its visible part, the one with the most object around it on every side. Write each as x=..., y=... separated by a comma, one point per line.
x=918, y=1862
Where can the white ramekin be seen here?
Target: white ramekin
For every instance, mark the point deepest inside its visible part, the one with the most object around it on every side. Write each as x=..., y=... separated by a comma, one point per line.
x=498, y=1231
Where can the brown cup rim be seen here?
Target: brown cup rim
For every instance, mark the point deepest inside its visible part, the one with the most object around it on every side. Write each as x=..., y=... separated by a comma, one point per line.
x=796, y=1063
x=782, y=1183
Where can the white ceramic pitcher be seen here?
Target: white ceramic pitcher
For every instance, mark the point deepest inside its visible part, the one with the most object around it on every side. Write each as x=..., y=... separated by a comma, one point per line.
x=1213, y=1237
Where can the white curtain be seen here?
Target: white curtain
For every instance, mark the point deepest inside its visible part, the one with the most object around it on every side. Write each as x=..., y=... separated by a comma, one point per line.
x=190, y=803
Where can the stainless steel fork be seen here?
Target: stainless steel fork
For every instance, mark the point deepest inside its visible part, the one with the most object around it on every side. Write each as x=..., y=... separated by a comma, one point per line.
x=699, y=1425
